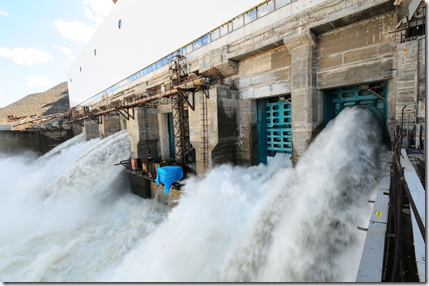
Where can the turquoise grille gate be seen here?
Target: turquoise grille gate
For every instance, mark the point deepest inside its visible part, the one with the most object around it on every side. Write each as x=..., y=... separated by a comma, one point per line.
x=339, y=98
x=273, y=128
x=279, y=127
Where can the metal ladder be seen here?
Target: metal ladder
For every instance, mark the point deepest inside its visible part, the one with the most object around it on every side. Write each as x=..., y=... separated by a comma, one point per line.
x=204, y=135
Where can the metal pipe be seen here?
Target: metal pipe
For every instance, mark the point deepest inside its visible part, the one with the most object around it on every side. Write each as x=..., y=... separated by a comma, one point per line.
x=133, y=104
x=44, y=117
x=376, y=94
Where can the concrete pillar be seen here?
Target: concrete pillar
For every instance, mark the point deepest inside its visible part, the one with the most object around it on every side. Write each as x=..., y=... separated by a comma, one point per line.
x=222, y=128
x=143, y=133
x=77, y=129
x=164, y=136
x=110, y=125
x=247, y=145
x=307, y=101
x=407, y=80
x=410, y=88
x=90, y=130
x=123, y=122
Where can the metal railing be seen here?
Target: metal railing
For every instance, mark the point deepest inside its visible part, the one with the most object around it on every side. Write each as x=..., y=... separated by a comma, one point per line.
x=399, y=195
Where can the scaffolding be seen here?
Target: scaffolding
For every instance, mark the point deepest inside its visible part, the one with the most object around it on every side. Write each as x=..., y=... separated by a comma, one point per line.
x=180, y=92
x=186, y=84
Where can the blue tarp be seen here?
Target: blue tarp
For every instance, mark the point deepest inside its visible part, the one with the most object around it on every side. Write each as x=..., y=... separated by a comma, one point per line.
x=168, y=175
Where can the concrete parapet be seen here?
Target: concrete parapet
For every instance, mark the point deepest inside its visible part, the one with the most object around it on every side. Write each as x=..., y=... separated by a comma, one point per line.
x=90, y=130
x=109, y=125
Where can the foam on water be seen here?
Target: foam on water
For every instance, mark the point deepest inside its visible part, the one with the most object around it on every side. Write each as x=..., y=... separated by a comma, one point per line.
x=272, y=223
x=68, y=215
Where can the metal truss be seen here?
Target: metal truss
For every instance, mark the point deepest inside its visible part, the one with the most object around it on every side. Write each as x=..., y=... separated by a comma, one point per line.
x=125, y=112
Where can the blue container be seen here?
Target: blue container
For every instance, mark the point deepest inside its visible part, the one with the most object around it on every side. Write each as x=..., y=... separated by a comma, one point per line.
x=168, y=175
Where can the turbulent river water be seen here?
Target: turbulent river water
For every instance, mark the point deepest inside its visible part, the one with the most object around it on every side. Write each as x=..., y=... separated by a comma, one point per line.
x=69, y=215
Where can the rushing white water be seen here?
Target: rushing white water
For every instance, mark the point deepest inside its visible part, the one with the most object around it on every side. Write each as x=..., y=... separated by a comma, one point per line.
x=68, y=217
x=272, y=223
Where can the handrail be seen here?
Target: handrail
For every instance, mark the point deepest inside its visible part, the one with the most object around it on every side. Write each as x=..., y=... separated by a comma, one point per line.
x=398, y=186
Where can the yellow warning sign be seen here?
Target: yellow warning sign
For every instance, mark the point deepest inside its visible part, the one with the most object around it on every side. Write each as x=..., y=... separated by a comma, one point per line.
x=379, y=215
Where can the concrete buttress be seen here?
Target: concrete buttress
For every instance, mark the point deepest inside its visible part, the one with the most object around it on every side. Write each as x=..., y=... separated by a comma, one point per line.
x=110, y=125
x=90, y=130
x=307, y=100
x=143, y=133
x=222, y=127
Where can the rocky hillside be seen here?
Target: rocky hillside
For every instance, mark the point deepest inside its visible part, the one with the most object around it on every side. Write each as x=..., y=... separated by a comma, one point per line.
x=51, y=101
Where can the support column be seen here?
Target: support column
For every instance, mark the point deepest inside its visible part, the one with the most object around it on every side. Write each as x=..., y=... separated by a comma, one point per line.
x=77, y=129
x=109, y=126
x=221, y=130
x=144, y=137
x=407, y=80
x=143, y=133
x=164, y=136
x=90, y=130
x=123, y=122
x=247, y=145
x=410, y=89
x=307, y=100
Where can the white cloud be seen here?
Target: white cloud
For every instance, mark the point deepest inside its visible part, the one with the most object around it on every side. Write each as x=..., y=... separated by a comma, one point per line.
x=99, y=7
x=97, y=10
x=66, y=51
x=1, y=90
x=37, y=80
x=28, y=57
x=4, y=13
x=88, y=14
x=75, y=30
x=4, y=81
x=63, y=49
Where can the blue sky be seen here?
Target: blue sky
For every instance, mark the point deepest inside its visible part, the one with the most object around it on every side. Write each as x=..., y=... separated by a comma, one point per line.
x=39, y=40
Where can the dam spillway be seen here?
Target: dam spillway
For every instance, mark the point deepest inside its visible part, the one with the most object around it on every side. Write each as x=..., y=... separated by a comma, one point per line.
x=72, y=218
x=230, y=103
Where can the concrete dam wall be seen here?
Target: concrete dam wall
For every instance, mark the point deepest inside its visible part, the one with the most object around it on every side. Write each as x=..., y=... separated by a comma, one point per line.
x=41, y=142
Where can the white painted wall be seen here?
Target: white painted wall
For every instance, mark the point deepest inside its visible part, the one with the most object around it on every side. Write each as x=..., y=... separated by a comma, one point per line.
x=150, y=31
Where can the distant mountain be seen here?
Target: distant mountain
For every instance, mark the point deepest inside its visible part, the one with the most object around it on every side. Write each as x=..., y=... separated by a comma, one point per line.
x=51, y=101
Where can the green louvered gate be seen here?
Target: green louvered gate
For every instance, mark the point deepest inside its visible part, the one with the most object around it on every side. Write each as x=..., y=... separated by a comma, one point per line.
x=339, y=98
x=171, y=135
x=274, y=128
